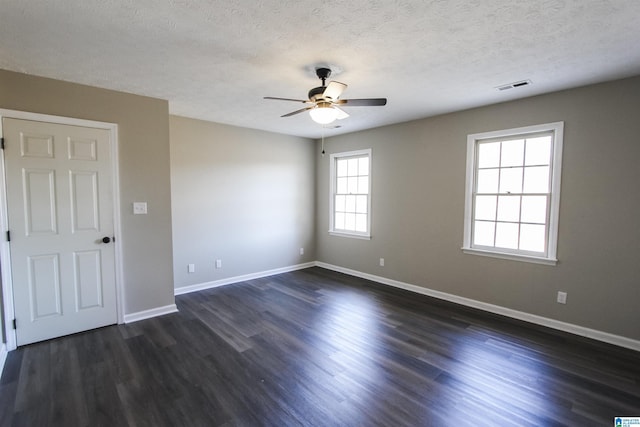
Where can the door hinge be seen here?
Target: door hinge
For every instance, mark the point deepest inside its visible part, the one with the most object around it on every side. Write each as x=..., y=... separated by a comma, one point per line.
x=15, y=324
x=2, y=143
x=8, y=236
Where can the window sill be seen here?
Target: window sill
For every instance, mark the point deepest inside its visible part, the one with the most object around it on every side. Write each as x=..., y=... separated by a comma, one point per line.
x=512, y=257
x=351, y=235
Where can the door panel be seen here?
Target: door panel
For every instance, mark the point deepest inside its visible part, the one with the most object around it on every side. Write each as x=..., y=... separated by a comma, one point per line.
x=82, y=149
x=88, y=279
x=59, y=200
x=44, y=286
x=39, y=202
x=32, y=145
x=84, y=201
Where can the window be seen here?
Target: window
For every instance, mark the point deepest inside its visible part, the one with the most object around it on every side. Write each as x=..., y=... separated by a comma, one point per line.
x=513, y=193
x=350, y=199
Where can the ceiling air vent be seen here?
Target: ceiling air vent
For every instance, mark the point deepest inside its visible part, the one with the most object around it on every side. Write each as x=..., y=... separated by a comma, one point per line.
x=514, y=85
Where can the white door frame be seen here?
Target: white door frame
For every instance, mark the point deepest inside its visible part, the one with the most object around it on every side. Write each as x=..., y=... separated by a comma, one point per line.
x=5, y=255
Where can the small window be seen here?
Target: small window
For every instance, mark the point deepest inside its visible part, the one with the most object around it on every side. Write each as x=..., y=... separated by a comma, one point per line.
x=513, y=193
x=350, y=199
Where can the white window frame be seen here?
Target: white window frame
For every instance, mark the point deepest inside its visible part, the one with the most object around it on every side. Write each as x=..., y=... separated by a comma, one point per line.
x=550, y=256
x=332, y=192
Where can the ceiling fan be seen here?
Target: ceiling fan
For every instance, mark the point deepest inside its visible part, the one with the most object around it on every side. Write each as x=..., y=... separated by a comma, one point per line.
x=324, y=101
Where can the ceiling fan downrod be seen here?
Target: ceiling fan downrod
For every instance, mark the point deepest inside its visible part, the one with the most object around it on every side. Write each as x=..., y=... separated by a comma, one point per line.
x=323, y=74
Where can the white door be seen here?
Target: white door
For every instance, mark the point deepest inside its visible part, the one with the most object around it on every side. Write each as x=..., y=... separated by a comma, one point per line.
x=60, y=207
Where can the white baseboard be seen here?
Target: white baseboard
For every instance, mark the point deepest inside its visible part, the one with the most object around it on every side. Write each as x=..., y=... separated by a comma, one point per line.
x=515, y=314
x=147, y=314
x=243, y=278
x=3, y=356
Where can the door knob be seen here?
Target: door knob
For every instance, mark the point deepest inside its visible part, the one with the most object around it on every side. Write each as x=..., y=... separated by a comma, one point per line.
x=106, y=240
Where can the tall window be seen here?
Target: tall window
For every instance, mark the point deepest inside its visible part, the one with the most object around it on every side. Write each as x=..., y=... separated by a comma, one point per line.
x=513, y=193
x=350, y=199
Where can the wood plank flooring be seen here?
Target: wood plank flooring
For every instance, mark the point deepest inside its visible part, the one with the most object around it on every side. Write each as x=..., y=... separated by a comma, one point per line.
x=318, y=348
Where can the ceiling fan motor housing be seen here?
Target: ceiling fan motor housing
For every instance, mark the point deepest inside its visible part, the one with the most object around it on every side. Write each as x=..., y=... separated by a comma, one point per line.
x=315, y=94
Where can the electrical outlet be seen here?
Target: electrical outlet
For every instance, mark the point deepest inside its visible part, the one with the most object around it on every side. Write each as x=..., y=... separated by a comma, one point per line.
x=562, y=297
x=218, y=263
x=381, y=262
x=191, y=268
x=301, y=251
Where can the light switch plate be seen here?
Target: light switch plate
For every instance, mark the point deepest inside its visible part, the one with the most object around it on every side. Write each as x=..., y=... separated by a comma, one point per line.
x=139, y=208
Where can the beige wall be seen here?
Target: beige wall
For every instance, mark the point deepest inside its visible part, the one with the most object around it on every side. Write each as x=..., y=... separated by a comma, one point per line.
x=143, y=125
x=418, y=186
x=243, y=196
x=247, y=197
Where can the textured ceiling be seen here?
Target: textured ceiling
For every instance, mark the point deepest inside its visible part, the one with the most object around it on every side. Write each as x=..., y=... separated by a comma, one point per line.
x=215, y=60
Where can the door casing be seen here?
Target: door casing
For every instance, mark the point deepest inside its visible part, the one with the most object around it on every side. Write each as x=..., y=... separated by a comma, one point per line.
x=5, y=255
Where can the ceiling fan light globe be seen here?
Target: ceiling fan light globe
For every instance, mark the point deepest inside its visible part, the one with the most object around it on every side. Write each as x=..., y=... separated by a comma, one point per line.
x=323, y=114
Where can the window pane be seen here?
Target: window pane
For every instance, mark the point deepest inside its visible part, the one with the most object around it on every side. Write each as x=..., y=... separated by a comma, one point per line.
x=340, y=203
x=350, y=204
x=361, y=204
x=361, y=223
x=538, y=151
x=532, y=237
x=536, y=179
x=339, y=221
x=489, y=155
x=534, y=209
x=342, y=186
x=341, y=169
x=363, y=166
x=363, y=185
x=483, y=233
x=350, y=221
x=352, y=169
x=352, y=184
x=485, y=208
x=509, y=208
x=507, y=235
x=487, y=181
x=511, y=180
x=512, y=153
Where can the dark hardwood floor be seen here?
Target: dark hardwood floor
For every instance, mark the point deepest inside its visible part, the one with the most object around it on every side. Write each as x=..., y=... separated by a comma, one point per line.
x=318, y=348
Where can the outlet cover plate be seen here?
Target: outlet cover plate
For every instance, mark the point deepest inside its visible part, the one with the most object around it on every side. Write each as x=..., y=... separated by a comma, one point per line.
x=562, y=297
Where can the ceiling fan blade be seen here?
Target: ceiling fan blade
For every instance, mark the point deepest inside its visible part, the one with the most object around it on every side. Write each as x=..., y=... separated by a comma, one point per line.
x=370, y=102
x=341, y=113
x=287, y=99
x=293, y=113
x=334, y=90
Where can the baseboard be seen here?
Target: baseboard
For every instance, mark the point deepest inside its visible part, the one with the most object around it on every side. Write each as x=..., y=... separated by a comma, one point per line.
x=243, y=278
x=147, y=314
x=496, y=309
x=3, y=356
